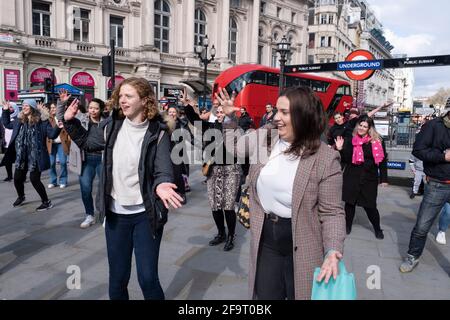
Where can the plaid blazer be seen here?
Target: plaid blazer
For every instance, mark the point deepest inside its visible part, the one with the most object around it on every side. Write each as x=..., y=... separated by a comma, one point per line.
x=318, y=219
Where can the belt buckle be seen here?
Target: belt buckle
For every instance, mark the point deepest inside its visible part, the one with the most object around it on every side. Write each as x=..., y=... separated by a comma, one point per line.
x=272, y=217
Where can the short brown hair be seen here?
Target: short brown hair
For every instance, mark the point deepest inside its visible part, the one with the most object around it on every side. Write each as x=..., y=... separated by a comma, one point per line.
x=308, y=118
x=144, y=90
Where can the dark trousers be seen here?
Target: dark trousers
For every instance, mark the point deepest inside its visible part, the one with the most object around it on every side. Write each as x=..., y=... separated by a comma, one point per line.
x=123, y=234
x=35, y=178
x=436, y=195
x=8, y=168
x=372, y=214
x=275, y=266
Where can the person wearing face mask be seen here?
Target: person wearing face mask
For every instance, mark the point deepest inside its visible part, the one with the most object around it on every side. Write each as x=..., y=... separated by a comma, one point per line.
x=366, y=167
x=297, y=220
x=29, y=140
x=223, y=181
x=9, y=157
x=86, y=164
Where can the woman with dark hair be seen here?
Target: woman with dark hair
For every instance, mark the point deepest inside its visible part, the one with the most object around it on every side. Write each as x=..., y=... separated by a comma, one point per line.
x=136, y=188
x=366, y=166
x=29, y=140
x=224, y=178
x=297, y=220
x=87, y=165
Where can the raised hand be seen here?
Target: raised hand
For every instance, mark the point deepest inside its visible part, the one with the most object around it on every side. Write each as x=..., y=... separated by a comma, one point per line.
x=40, y=106
x=6, y=105
x=339, y=142
x=71, y=111
x=183, y=98
x=226, y=101
x=64, y=96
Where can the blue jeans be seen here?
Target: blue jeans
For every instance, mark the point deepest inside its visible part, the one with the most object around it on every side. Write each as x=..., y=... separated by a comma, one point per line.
x=57, y=149
x=92, y=165
x=435, y=197
x=123, y=234
x=444, y=219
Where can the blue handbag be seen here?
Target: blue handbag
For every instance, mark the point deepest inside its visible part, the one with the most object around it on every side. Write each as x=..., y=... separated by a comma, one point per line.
x=343, y=288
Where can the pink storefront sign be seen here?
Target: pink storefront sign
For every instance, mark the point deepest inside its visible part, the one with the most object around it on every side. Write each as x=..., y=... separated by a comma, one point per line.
x=11, y=84
x=83, y=79
x=38, y=75
x=119, y=79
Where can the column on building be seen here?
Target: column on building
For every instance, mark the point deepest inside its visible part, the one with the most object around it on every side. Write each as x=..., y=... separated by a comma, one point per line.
x=148, y=23
x=20, y=18
x=8, y=14
x=187, y=28
x=59, y=17
x=101, y=27
x=223, y=31
x=254, y=31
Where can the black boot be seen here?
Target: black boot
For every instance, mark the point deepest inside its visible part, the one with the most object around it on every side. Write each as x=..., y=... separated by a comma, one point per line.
x=379, y=234
x=348, y=229
x=218, y=239
x=229, y=244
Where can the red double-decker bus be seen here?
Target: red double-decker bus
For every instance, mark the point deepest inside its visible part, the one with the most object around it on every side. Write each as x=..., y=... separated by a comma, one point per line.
x=257, y=85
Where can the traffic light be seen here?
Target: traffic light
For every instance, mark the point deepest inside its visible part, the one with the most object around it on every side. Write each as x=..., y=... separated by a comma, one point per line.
x=106, y=66
x=48, y=84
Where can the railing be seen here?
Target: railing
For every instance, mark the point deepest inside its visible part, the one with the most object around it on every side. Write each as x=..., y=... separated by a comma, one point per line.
x=401, y=136
x=85, y=47
x=172, y=59
x=44, y=42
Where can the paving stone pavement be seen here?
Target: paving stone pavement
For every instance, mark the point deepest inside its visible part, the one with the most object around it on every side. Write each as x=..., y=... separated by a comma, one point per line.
x=36, y=250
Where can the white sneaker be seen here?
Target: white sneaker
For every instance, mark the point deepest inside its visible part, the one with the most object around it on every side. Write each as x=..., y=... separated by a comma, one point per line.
x=51, y=185
x=62, y=186
x=89, y=221
x=440, y=238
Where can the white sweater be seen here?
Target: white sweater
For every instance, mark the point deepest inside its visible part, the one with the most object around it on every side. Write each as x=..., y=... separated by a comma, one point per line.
x=276, y=181
x=126, y=191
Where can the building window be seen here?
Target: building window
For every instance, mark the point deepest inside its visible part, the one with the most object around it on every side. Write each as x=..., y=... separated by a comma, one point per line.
x=41, y=18
x=81, y=24
x=330, y=19
x=274, y=62
x=199, y=26
x=235, y=3
x=323, y=19
x=260, y=54
x=312, y=40
x=293, y=16
x=322, y=42
x=278, y=12
x=162, y=20
x=263, y=7
x=310, y=59
x=116, y=30
x=232, y=42
x=329, y=41
x=261, y=32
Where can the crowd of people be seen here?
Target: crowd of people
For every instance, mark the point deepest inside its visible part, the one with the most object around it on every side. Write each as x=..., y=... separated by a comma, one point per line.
x=302, y=194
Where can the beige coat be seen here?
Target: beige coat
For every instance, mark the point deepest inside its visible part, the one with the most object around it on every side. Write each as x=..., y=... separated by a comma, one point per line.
x=318, y=220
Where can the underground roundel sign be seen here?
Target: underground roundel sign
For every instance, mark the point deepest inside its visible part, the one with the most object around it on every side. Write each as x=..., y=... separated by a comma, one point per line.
x=360, y=65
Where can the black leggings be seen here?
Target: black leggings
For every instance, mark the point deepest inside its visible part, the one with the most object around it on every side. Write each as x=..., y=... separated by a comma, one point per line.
x=372, y=214
x=35, y=178
x=230, y=217
x=8, y=168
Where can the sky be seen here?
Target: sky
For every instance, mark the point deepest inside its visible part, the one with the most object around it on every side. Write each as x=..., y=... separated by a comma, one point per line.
x=418, y=28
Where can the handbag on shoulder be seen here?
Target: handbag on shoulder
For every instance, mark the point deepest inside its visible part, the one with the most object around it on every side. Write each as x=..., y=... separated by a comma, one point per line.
x=207, y=167
x=243, y=213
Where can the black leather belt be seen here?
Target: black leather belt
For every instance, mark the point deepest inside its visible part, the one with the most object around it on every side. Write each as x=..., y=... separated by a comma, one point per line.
x=274, y=218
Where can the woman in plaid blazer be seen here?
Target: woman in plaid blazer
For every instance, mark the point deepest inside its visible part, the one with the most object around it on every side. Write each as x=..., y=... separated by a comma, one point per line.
x=295, y=185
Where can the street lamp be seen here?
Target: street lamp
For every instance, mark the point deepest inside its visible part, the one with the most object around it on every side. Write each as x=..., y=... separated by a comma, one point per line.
x=283, y=48
x=202, y=51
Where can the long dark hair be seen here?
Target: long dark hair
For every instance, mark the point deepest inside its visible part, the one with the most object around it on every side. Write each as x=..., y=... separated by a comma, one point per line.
x=308, y=118
x=373, y=133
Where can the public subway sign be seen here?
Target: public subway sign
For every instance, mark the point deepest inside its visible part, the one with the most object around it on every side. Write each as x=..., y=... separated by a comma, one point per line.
x=361, y=64
x=396, y=165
